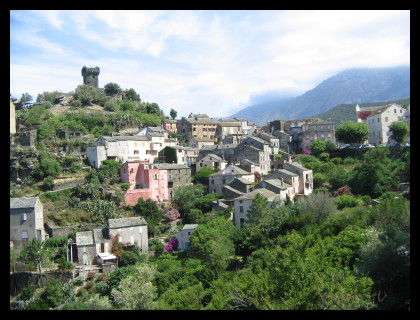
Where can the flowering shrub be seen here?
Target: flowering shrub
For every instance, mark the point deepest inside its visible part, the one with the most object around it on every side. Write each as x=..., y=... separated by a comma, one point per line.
x=173, y=244
x=305, y=151
x=116, y=248
x=171, y=214
x=90, y=275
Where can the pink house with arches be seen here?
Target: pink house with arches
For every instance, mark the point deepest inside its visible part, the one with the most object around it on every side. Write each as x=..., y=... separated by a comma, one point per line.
x=146, y=182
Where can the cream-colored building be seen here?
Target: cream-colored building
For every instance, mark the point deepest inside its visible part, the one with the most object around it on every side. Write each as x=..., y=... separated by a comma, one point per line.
x=196, y=126
x=379, y=121
x=126, y=148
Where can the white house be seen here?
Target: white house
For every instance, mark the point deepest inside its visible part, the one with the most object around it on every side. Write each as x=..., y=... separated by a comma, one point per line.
x=130, y=231
x=183, y=236
x=379, y=121
x=126, y=148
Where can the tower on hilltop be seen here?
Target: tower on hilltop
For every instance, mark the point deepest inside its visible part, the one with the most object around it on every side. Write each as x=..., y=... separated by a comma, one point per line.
x=90, y=76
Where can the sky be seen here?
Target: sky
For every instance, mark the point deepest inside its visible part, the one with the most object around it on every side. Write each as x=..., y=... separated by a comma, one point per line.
x=215, y=62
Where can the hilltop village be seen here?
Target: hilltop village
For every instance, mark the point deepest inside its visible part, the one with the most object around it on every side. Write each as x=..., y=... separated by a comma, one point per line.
x=139, y=188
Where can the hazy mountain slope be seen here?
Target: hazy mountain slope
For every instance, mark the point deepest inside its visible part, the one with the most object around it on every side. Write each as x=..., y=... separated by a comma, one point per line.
x=347, y=87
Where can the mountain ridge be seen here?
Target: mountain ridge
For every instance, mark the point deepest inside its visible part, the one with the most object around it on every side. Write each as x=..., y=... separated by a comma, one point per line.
x=358, y=85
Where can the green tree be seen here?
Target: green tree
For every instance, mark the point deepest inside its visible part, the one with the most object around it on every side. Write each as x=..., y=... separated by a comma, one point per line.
x=185, y=196
x=213, y=243
x=131, y=94
x=399, y=131
x=318, y=146
x=88, y=94
x=202, y=176
x=111, y=88
x=257, y=209
x=36, y=254
x=375, y=174
x=137, y=292
x=352, y=132
x=148, y=209
x=173, y=113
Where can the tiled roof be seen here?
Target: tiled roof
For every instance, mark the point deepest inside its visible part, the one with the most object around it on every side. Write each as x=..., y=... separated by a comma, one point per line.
x=170, y=166
x=190, y=226
x=236, y=170
x=126, y=222
x=28, y=202
x=265, y=192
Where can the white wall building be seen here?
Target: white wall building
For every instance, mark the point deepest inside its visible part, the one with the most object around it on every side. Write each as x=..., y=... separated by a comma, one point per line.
x=183, y=236
x=380, y=120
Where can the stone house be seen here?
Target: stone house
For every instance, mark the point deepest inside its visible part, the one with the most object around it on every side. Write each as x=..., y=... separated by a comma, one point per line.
x=178, y=175
x=247, y=127
x=379, y=121
x=226, y=127
x=178, y=155
x=225, y=176
x=224, y=151
x=170, y=126
x=294, y=174
x=26, y=221
x=303, y=132
x=183, y=236
x=211, y=161
x=277, y=186
x=92, y=246
x=197, y=143
x=131, y=232
x=253, y=159
x=196, y=126
x=273, y=141
x=147, y=182
x=243, y=203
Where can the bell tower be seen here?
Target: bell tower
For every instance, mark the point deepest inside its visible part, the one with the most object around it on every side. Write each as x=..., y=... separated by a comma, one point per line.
x=90, y=76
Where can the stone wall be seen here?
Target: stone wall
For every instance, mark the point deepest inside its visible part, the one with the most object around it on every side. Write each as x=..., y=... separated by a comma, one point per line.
x=67, y=185
x=20, y=280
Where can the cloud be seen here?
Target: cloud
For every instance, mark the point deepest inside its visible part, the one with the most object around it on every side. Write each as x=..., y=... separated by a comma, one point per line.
x=214, y=61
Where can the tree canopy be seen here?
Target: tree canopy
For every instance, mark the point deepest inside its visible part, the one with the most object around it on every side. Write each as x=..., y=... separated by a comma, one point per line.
x=352, y=132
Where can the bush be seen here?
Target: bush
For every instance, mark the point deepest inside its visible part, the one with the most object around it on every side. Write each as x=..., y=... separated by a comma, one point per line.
x=128, y=258
x=346, y=201
x=27, y=293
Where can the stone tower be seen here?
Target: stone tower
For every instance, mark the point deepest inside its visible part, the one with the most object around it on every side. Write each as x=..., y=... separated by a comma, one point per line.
x=90, y=76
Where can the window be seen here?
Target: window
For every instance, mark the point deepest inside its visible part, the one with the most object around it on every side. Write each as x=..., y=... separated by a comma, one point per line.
x=155, y=177
x=386, y=119
x=136, y=151
x=241, y=209
x=378, y=119
x=24, y=235
x=132, y=178
x=23, y=217
x=395, y=110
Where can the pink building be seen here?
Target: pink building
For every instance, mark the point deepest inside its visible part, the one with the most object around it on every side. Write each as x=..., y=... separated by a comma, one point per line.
x=146, y=182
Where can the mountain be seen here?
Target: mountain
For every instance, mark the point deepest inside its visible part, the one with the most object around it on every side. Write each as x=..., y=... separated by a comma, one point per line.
x=347, y=87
